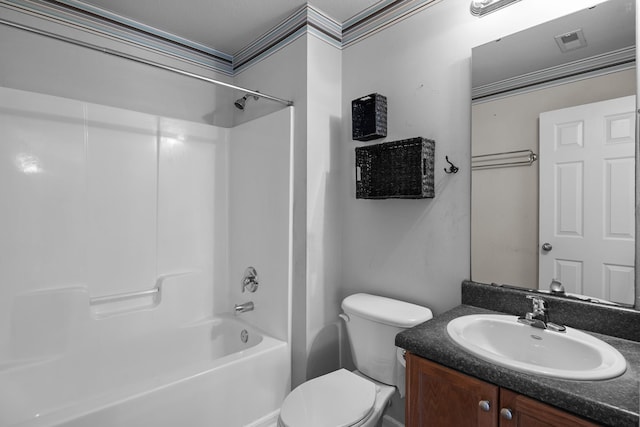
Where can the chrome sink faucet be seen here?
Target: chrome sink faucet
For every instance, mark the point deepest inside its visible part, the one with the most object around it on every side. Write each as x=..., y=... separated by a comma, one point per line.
x=538, y=317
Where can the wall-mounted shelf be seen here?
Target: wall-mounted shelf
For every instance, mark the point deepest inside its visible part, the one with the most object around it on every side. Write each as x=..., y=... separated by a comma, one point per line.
x=369, y=117
x=398, y=169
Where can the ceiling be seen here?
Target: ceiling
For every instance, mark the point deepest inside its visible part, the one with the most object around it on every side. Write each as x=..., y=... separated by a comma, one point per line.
x=607, y=27
x=223, y=25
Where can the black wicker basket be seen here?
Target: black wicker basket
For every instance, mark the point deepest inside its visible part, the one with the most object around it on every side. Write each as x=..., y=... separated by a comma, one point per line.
x=398, y=169
x=369, y=117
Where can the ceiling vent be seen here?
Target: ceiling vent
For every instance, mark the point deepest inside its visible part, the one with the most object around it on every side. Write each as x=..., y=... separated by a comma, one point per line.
x=571, y=41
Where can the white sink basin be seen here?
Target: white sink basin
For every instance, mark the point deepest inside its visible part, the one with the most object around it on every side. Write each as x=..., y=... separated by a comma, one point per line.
x=571, y=355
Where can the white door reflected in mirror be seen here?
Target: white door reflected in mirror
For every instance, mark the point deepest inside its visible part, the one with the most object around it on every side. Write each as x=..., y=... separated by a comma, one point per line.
x=587, y=176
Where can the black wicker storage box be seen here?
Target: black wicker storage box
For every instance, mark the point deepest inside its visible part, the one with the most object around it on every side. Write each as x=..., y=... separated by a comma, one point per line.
x=397, y=169
x=369, y=117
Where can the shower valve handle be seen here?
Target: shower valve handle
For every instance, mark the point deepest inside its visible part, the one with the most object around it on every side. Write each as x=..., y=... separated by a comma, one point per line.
x=250, y=280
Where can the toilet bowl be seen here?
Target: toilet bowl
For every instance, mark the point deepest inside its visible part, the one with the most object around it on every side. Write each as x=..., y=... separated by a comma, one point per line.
x=359, y=398
x=338, y=399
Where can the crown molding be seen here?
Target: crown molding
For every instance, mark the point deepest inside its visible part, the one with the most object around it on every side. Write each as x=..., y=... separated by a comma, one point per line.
x=306, y=20
x=80, y=16
x=585, y=68
x=379, y=17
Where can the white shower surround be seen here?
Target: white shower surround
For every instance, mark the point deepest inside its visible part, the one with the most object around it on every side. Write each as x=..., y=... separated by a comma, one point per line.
x=100, y=201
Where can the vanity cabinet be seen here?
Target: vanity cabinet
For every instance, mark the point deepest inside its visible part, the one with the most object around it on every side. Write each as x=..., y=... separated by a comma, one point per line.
x=439, y=396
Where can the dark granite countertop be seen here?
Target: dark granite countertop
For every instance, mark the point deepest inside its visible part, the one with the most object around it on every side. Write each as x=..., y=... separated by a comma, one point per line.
x=613, y=402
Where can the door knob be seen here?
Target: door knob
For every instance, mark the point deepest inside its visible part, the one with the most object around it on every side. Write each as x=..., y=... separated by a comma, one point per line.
x=547, y=247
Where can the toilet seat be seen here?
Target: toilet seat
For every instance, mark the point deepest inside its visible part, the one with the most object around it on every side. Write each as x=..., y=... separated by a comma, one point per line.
x=340, y=399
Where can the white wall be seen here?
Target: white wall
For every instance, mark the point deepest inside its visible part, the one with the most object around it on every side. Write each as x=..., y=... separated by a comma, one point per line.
x=504, y=248
x=324, y=251
x=415, y=250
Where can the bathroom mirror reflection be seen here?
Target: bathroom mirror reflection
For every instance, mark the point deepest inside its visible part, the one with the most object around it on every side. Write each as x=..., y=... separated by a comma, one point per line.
x=543, y=206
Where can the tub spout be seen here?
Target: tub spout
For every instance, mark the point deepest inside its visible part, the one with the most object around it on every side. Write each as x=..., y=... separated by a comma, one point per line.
x=241, y=308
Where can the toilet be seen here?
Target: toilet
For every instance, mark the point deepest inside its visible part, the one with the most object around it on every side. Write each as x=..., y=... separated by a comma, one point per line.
x=359, y=398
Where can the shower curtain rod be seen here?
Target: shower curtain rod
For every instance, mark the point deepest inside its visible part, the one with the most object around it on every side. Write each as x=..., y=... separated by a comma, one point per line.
x=142, y=61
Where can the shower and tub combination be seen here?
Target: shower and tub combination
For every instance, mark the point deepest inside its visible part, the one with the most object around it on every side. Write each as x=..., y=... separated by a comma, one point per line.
x=124, y=250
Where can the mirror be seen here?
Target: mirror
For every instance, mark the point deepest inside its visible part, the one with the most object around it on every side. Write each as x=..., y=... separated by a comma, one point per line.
x=534, y=216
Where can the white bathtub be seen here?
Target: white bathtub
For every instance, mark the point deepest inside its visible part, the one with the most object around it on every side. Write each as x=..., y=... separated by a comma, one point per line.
x=197, y=375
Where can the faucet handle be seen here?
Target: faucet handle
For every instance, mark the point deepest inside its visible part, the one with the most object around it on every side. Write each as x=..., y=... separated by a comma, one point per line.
x=250, y=280
x=539, y=316
x=539, y=304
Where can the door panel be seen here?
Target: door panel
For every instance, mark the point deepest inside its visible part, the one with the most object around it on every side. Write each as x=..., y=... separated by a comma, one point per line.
x=527, y=412
x=587, y=164
x=441, y=397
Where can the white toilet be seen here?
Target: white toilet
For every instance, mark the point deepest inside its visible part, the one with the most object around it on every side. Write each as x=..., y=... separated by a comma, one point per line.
x=357, y=399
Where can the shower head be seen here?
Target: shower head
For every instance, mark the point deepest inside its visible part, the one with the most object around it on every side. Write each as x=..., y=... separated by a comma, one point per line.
x=240, y=103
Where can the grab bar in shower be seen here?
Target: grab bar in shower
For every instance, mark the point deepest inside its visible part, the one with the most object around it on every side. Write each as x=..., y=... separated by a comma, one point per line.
x=123, y=296
x=504, y=159
x=118, y=303
x=155, y=292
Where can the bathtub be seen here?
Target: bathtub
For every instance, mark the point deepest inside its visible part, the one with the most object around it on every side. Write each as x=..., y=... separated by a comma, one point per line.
x=202, y=374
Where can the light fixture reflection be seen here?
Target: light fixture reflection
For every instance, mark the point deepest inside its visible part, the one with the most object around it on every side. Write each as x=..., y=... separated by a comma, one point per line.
x=173, y=142
x=28, y=164
x=172, y=145
x=482, y=7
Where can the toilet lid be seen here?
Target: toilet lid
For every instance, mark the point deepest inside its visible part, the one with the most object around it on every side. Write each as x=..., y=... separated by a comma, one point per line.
x=338, y=399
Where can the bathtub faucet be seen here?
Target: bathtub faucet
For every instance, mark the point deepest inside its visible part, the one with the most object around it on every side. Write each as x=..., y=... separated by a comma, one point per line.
x=241, y=308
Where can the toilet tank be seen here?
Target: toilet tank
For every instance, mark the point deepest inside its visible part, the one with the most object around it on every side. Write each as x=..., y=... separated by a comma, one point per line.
x=372, y=324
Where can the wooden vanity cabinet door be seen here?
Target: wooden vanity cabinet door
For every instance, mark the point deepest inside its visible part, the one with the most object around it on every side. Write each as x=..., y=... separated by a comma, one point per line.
x=527, y=412
x=438, y=396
